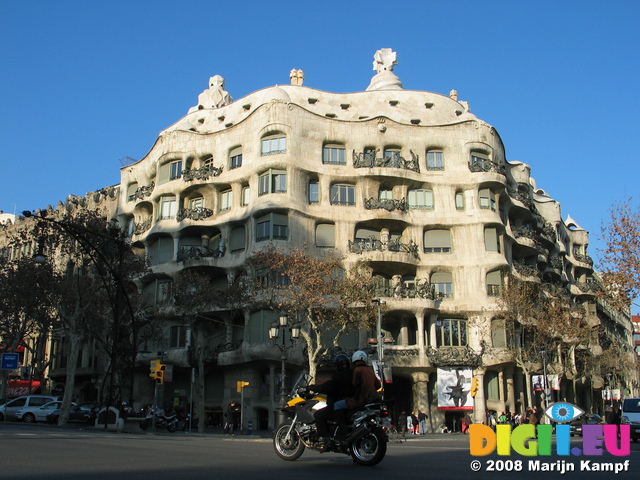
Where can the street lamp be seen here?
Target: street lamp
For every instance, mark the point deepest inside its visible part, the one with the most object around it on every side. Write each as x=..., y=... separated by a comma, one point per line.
x=547, y=392
x=379, y=343
x=274, y=335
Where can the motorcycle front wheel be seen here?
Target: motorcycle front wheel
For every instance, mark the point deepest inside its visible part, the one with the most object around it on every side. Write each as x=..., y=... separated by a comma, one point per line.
x=172, y=426
x=370, y=449
x=287, y=447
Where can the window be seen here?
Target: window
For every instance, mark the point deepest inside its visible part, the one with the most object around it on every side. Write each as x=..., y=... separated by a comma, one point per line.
x=343, y=195
x=158, y=292
x=179, y=336
x=498, y=333
x=487, y=199
x=274, y=144
x=238, y=239
x=325, y=235
x=494, y=284
x=451, y=332
x=196, y=203
x=333, y=155
x=364, y=235
x=246, y=195
x=492, y=381
x=272, y=181
x=443, y=283
x=314, y=193
x=420, y=199
x=478, y=158
x=258, y=327
x=385, y=195
x=235, y=158
x=491, y=240
x=161, y=250
x=392, y=154
x=131, y=192
x=169, y=171
x=168, y=207
x=459, y=201
x=437, y=241
x=273, y=226
x=226, y=199
x=435, y=160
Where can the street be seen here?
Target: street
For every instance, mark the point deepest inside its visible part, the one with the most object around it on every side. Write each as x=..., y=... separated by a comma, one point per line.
x=42, y=452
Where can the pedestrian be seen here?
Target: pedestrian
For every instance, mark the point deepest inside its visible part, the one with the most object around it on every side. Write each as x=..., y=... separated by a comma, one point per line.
x=231, y=417
x=402, y=423
x=409, y=422
x=533, y=418
x=415, y=423
x=466, y=421
x=422, y=418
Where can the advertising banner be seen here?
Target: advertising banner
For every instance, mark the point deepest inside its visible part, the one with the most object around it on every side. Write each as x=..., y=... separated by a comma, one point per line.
x=454, y=385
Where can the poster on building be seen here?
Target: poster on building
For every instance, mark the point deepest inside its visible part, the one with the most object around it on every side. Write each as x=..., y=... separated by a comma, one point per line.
x=454, y=385
x=554, y=381
x=616, y=394
x=538, y=383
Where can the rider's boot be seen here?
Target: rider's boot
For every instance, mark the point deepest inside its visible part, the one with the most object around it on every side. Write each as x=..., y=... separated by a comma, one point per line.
x=325, y=444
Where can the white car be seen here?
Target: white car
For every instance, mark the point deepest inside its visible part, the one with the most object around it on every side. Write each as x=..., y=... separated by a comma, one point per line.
x=8, y=410
x=37, y=414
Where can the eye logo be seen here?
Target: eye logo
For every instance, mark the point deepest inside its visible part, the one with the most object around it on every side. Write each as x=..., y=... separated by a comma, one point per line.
x=563, y=412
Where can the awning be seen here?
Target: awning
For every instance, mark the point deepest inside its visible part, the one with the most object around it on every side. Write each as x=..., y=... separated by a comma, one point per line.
x=19, y=388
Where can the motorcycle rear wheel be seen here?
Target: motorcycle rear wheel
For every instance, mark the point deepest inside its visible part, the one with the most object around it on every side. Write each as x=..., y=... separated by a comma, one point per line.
x=287, y=448
x=370, y=449
x=172, y=426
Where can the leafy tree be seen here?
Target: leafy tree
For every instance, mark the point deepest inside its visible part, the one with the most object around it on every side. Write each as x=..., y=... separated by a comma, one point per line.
x=316, y=292
x=620, y=260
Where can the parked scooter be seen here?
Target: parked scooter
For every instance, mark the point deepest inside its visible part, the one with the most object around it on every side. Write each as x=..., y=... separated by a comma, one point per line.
x=158, y=419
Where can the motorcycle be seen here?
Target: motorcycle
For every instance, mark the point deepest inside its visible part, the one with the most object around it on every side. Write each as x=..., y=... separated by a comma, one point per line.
x=365, y=440
x=156, y=416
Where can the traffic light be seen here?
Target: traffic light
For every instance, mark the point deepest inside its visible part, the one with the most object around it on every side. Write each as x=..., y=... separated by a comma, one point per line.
x=474, y=386
x=157, y=371
x=240, y=385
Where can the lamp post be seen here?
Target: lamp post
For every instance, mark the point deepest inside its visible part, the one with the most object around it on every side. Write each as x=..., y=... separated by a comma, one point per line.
x=379, y=345
x=274, y=335
x=83, y=238
x=546, y=390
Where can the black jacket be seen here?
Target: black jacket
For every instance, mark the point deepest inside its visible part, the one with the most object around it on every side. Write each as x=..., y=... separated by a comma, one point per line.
x=338, y=387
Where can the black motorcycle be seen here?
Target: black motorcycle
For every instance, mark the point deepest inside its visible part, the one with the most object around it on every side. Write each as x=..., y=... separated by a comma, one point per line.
x=365, y=440
x=157, y=418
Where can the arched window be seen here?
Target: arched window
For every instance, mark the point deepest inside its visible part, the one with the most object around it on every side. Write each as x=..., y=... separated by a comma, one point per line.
x=325, y=235
x=451, y=332
x=274, y=144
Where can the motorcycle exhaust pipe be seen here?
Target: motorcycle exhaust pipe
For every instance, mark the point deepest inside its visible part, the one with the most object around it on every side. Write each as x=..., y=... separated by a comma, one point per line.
x=358, y=433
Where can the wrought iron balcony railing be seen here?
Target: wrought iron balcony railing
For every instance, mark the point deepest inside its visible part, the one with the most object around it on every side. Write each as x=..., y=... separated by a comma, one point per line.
x=191, y=252
x=485, y=165
x=386, y=204
x=198, y=213
x=372, y=244
x=202, y=173
x=393, y=160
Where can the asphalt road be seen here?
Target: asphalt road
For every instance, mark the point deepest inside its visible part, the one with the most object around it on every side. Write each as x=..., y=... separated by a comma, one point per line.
x=39, y=452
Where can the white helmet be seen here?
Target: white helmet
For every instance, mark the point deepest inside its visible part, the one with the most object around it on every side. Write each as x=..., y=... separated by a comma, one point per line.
x=359, y=356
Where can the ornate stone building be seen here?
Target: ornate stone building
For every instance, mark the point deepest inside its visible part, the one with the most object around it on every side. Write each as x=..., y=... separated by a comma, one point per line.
x=410, y=181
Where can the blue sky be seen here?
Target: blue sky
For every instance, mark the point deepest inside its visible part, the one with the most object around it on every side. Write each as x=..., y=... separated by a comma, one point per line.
x=85, y=83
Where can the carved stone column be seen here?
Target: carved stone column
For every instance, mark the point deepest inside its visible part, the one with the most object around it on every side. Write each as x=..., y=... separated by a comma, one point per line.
x=420, y=327
x=511, y=393
x=420, y=393
x=479, y=402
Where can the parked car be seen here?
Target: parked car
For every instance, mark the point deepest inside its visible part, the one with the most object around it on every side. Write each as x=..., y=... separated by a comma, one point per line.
x=36, y=414
x=8, y=410
x=76, y=414
x=593, y=419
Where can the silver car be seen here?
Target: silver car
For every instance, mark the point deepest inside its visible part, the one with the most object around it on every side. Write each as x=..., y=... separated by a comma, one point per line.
x=8, y=410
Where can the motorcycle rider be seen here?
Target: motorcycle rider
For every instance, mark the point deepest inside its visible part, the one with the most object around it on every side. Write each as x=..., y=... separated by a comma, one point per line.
x=338, y=387
x=365, y=385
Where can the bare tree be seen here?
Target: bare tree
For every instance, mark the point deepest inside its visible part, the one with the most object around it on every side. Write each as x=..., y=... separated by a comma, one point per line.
x=317, y=292
x=620, y=260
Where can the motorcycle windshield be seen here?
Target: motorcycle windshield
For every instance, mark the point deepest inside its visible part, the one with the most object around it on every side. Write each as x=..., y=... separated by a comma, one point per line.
x=303, y=381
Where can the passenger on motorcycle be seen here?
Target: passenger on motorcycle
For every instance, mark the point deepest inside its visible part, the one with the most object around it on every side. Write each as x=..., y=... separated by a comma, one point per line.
x=337, y=388
x=365, y=388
